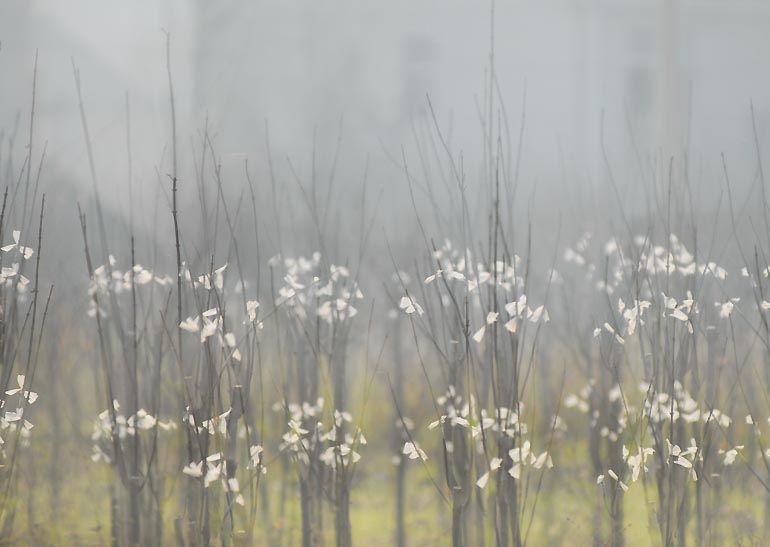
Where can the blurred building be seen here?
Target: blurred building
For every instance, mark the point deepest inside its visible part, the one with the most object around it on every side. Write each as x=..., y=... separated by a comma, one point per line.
x=655, y=78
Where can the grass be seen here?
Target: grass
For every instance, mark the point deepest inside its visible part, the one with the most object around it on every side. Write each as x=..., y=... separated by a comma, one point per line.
x=84, y=518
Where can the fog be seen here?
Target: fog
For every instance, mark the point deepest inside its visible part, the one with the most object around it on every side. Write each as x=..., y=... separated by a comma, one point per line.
x=621, y=143
x=654, y=78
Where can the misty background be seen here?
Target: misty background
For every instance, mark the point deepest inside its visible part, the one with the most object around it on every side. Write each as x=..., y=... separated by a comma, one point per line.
x=641, y=81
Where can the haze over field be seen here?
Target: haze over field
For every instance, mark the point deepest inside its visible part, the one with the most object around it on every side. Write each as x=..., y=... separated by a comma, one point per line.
x=398, y=273
x=676, y=75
